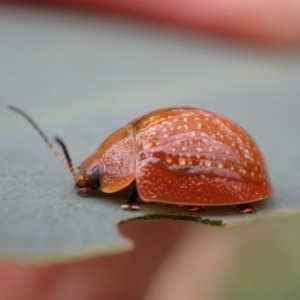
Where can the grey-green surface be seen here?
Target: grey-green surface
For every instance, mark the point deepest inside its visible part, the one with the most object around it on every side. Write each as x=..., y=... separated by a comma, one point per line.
x=82, y=78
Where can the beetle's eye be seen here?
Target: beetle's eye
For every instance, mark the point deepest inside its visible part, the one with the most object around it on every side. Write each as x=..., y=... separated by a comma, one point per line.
x=94, y=177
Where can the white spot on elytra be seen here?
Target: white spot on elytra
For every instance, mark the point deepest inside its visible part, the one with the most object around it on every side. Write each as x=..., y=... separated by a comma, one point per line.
x=182, y=162
x=208, y=163
x=243, y=171
x=169, y=160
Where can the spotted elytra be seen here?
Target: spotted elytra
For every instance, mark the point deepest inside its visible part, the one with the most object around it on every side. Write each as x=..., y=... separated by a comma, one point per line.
x=181, y=155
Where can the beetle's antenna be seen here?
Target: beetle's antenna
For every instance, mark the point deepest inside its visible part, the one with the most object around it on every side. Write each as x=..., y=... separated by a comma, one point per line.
x=45, y=138
x=67, y=155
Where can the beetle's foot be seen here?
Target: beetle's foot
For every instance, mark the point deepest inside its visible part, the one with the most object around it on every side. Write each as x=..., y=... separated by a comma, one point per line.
x=245, y=208
x=129, y=206
x=194, y=208
x=131, y=203
x=83, y=191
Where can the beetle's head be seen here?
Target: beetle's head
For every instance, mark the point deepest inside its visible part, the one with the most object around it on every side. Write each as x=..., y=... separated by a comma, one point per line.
x=88, y=176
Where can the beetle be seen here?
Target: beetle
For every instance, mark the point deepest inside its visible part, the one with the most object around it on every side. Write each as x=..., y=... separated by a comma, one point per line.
x=180, y=155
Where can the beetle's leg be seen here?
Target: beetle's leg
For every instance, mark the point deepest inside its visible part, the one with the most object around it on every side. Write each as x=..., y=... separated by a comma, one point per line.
x=244, y=208
x=83, y=191
x=131, y=203
x=194, y=208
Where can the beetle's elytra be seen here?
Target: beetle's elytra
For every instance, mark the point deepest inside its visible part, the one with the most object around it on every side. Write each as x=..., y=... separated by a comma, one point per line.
x=184, y=156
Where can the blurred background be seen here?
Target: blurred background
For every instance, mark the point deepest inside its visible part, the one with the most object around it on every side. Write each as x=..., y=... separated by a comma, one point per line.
x=91, y=67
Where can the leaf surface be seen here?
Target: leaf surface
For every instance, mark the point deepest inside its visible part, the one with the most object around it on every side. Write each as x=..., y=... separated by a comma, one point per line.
x=82, y=79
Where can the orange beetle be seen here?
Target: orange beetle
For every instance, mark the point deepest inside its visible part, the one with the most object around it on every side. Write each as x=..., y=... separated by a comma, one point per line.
x=182, y=155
